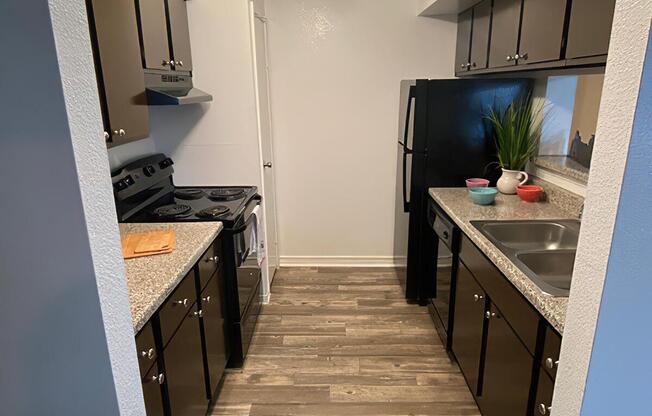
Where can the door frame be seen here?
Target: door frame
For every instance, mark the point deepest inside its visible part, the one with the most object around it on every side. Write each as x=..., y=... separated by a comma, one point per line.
x=253, y=16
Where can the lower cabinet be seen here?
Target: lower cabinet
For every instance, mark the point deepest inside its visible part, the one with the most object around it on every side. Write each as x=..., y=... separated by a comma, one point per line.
x=469, y=326
x=152, y=391
x=507, y=372
x=182, y=349
x=543, y=398
x=215, y=342
x=184, y=368
x=507, y=352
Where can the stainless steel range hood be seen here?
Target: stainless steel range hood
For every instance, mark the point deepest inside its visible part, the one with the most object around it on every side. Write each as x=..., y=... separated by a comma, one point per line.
x=173, y=89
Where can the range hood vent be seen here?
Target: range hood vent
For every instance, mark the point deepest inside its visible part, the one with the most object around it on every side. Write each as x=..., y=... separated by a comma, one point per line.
x=173, y=89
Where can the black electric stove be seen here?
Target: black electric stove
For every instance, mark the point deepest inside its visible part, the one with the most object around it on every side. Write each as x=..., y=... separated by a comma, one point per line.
x=145, y=193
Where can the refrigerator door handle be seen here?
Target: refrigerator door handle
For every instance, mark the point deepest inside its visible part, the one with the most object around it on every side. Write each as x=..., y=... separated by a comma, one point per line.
x=406, y=149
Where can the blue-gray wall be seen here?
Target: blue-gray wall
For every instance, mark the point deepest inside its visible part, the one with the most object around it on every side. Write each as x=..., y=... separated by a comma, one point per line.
x=620, y=373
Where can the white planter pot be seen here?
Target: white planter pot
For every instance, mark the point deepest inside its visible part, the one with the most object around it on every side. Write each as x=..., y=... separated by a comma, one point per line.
x=510, y=179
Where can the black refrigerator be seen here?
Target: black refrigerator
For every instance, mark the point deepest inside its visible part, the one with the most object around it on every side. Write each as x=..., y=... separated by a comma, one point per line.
x=444, y=138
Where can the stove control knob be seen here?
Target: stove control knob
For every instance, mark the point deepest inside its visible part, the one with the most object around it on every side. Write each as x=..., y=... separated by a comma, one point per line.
x=149, y=170
x=166, y=163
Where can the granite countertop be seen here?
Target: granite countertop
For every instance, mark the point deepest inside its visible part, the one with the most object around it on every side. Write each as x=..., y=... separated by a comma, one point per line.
x=462, y=210
x=152, y=279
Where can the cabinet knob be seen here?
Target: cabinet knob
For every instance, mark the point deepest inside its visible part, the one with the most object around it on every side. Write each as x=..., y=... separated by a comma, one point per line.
x=149, y=354
x=119, y=132
x=543, y=409
x=510, y=57
x=490, y=314
x=160, y=379
x=180, y=63
x=517, y=56
x=107, y=136
x=198, y=314
x=207, y=299
x=550, y=363
x=462, y=66
x=165, y=63
x=183, y=302
x=523, y=56
x=468, y=64
x=477, y=297
x=214, y=259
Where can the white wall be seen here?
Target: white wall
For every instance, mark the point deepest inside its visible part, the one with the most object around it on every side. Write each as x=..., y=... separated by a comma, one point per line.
x=215, y=143
x=335, y=73
x=67, y=346
x=597, y=253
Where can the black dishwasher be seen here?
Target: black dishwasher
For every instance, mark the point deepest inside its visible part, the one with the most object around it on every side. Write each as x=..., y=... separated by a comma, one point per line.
x=443, y=269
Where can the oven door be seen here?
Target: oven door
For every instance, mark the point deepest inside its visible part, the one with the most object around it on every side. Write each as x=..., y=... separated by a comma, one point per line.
x=246, y=261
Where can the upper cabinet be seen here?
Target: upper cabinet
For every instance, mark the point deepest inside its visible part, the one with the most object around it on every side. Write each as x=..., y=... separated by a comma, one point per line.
x=504, y=33
x=532, y=34
x=153, y=29
x=480, y=36
x=180, y=34
x=464, y=28
x=542, y=31
x=165, y=39
x=589, y=29
x=121, y=82
x=473, y=27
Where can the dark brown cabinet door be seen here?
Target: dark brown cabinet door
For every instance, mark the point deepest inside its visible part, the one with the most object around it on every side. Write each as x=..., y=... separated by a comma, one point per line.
x=154, y=29
x=152, y=383
x=590, y=28
x=180, y=35
x=214, y=334
x=464, y=27
x=184, y=370
x=543, y=399
x=507, y=372
x=146, y=348
x=480, y=38
x=120, y=72
x=468, y=326
x=542, y=30
x=504, y=33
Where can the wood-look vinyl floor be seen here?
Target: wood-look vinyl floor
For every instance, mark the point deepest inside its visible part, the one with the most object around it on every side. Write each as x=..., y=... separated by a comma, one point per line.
x=337, y=341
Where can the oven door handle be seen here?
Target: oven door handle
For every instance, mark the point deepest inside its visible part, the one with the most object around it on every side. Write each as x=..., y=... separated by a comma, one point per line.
x=244, y=227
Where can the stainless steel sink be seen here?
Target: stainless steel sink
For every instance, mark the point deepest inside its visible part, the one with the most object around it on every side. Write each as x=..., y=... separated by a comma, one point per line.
x=543, y=250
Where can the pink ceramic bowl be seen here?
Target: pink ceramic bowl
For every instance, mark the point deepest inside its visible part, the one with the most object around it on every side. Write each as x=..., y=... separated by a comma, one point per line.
x=477, y=183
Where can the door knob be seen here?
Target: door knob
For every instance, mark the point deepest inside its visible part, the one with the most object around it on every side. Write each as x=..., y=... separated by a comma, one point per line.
x=267, y=164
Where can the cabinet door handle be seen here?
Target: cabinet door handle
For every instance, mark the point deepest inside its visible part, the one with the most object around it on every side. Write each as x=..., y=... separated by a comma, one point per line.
x=149, y=354
x=462, y=66
x=550, y=363
x=180, y=63
x=509, y=58
x=183, y=302
x=490, y=314
x=523, y=56
x=198, y=314
x=165, y=63
x=207, y=299
x=543, y=409
x=214, y=259
x=160, y=379
x=477, y=297
x=107, y=136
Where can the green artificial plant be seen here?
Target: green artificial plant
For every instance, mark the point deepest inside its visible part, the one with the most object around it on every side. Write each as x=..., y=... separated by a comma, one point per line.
x=516, y=132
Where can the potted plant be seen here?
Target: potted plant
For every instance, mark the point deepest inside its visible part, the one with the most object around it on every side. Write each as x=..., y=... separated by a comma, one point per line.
x=516, y=132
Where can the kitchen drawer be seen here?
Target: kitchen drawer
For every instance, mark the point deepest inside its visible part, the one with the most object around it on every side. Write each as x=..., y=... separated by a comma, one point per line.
x=209, y=262
x=521, y=316
x=551, y=348
x=177, y=306
x=146, y=348
x=152, y=383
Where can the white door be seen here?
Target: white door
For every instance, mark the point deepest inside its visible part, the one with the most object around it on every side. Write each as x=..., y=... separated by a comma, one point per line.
x=265, y=133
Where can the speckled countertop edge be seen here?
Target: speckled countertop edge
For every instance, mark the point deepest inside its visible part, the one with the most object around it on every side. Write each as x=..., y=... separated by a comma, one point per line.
x=461, y=209
x=152, y=279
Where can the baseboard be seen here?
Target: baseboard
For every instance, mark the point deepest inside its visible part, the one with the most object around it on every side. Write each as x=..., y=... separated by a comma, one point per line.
x=342, y=261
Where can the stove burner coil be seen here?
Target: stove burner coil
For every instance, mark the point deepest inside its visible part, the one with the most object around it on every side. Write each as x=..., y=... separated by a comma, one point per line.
x=226, y=194
x=189, y=194
x=172, y=211
x=213, y=212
